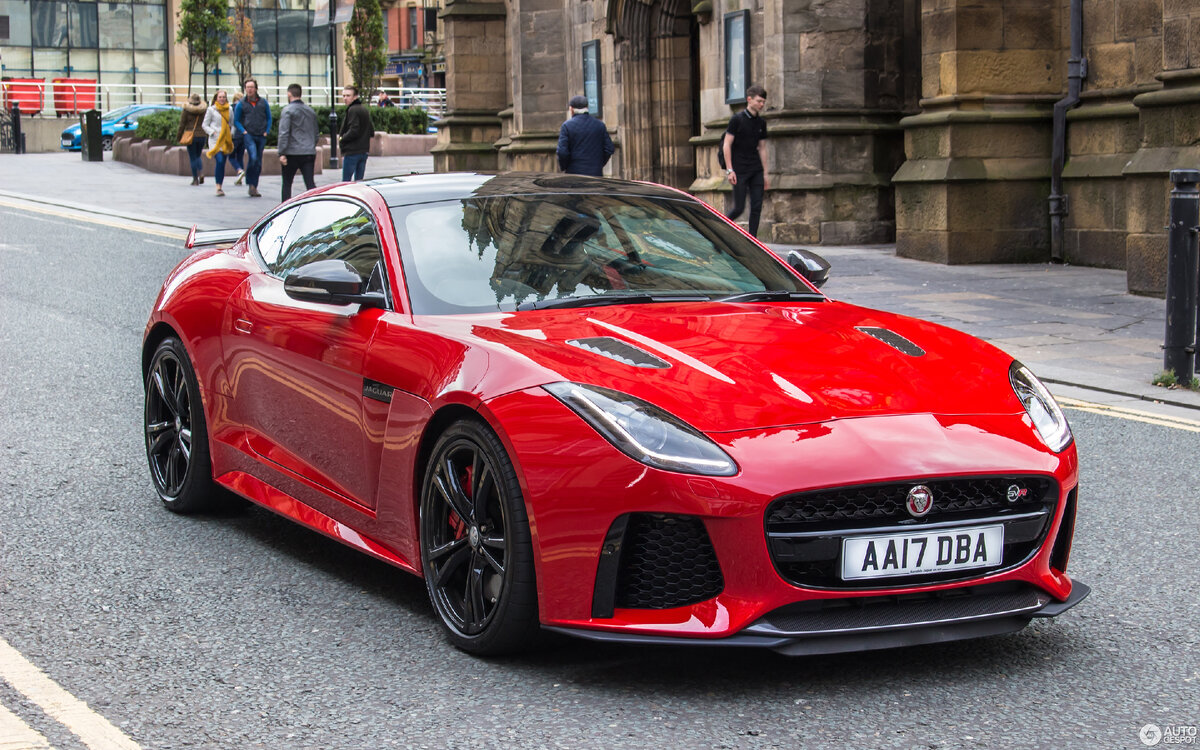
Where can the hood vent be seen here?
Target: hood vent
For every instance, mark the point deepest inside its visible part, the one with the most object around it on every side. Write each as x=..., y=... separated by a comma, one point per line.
x=625, y=353
x=894, y=340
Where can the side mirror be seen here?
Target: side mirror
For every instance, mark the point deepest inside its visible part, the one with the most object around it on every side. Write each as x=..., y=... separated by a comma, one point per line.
x=811, y=266
x=333, y=282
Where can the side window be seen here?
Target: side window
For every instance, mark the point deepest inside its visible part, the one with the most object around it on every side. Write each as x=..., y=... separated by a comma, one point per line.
x=330, y=229
x=271, y=236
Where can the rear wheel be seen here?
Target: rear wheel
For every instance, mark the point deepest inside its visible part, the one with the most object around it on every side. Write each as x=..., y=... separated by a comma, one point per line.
x=176, y=435
x=475, y=543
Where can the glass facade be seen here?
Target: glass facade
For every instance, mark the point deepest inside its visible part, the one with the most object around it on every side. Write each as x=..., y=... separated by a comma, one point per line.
x=131, y=43
x=113, y=42
x=287, y=49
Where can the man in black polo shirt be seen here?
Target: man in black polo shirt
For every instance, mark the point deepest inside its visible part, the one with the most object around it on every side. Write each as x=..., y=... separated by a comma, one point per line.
x=745, y=149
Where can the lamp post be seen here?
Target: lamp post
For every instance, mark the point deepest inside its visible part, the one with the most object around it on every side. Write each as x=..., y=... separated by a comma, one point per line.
x=333, y=131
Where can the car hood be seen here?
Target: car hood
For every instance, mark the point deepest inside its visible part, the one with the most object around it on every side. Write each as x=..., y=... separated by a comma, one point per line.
x=725, y=367
x=71, y=130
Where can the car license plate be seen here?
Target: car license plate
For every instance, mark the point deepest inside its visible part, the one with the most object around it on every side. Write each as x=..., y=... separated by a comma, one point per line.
x=929, y=552
x=68, y=141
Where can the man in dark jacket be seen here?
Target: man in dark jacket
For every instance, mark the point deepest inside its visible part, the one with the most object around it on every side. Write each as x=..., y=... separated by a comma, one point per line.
x=252, y=118
x=583, y=143
x=355, y=136
x=297, y=140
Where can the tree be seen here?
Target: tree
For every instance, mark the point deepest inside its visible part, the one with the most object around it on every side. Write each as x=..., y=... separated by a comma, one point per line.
x=241, y=39
x=365, y=56
x=201, y=24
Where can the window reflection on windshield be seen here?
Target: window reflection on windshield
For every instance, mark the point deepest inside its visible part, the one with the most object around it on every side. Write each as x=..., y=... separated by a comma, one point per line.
x=488, y=254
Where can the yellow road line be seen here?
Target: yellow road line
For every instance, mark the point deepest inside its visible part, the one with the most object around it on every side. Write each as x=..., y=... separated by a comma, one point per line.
x=175, y=234
x=17, y=735
x=93, y=729
x=1133, y=415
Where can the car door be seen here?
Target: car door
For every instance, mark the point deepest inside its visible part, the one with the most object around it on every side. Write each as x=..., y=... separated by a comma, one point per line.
x=296, y=367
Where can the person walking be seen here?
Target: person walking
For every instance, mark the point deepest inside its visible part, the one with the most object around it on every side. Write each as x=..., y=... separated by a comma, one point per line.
x=355, y=136
x=252, y=118
x=584, y=146
x=220, y=135
x=191, y=134
x=236, y=159
x=297, y=140
x=745, y=150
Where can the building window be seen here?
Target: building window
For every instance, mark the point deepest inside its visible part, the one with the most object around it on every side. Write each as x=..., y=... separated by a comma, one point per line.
x=737, y=51
x=412, y=27
x=591, y=76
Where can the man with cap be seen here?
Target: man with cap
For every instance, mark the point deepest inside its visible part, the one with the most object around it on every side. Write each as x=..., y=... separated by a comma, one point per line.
x=583, y=143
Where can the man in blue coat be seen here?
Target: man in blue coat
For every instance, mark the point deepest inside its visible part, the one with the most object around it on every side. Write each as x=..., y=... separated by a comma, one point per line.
x=583, y=143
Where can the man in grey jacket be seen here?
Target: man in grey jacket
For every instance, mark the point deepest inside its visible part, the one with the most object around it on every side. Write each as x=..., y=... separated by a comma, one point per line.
x=297, y=141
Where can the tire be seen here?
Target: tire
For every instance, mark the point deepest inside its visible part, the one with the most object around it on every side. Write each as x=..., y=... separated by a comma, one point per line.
x=475, y=543
x=106, y=143
x=176, y=433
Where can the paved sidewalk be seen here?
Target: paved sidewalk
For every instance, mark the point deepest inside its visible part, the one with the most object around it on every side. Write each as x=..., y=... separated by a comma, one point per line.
x=1075, y=327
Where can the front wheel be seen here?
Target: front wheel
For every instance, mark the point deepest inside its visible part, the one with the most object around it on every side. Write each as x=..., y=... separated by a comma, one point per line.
x=475, y=543
x=176, y=435
x=106, y=143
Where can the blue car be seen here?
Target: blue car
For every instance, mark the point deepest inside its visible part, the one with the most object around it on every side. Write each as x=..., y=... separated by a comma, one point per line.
x=116, y=121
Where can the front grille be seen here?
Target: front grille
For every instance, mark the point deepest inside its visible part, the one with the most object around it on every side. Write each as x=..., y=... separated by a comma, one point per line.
x=805, y=530
x=656, y=561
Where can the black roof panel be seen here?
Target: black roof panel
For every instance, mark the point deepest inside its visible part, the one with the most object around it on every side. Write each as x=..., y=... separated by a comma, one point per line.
x=403, y=190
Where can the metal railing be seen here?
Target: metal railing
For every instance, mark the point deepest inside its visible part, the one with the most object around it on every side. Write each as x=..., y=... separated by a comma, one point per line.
x=40, y=96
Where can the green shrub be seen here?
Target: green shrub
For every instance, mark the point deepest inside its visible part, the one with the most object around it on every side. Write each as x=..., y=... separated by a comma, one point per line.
x=161, y=126
x=164, y=125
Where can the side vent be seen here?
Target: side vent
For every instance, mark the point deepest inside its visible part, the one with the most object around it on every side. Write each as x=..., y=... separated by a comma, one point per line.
x=894, y=340
x=625, y=353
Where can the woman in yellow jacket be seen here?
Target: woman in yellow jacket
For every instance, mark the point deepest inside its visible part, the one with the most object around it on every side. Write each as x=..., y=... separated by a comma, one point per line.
x=217, y=123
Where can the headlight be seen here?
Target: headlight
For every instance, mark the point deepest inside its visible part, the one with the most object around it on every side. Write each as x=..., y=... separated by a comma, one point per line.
x=643, y=431
x=1047, y=417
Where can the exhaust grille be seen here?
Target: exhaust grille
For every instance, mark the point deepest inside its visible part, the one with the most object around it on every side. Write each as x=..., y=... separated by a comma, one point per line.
x=894, y=340
x=621, y=351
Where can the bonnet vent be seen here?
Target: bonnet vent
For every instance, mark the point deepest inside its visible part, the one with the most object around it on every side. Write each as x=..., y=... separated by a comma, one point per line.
x=621, y=351
x=894, y=340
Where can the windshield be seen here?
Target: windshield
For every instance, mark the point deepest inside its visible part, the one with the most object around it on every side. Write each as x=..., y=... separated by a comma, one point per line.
x=498, y=253
x=117, y=114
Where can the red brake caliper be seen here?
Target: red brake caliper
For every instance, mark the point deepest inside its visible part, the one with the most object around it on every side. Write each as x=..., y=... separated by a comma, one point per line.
x=460, y=524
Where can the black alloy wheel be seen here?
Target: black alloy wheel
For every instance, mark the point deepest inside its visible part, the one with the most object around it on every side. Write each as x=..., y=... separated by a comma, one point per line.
x=475, y=543
x=106, y=143
x=176, y=435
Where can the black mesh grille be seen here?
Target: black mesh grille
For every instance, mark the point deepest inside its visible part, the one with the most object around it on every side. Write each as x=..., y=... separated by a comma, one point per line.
x=884, y=503
x=805, y=531
x=667, y=561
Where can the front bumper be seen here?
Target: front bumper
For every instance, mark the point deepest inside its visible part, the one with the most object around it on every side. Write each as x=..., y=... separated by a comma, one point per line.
x=578, y=489
x=876, y=623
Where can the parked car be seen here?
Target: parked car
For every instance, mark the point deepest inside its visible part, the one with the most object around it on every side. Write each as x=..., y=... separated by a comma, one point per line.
x=111, y=123
x=597, y=407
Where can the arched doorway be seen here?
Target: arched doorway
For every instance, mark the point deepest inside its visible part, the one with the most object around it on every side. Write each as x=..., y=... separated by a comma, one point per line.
x=656, y=44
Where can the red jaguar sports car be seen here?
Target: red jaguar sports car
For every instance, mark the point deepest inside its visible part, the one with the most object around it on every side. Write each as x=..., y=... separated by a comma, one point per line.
x=597, y=407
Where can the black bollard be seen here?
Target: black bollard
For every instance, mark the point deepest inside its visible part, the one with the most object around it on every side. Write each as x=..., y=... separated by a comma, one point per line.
x=1179, y=348
x=18, y=136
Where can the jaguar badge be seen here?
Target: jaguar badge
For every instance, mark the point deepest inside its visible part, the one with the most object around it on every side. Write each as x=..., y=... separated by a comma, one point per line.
x=919, y=501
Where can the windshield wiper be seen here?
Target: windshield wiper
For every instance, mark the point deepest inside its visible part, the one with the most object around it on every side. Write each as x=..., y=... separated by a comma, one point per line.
x=596, y=300
x=767, y=295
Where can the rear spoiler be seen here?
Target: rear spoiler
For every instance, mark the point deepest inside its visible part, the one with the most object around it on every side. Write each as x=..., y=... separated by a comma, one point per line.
x=213, y=237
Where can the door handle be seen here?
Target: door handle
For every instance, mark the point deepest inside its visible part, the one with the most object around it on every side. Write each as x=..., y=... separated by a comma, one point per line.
x=241, y=325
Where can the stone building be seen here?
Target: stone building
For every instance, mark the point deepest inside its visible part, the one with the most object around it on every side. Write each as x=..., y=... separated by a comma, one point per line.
x=926, y=122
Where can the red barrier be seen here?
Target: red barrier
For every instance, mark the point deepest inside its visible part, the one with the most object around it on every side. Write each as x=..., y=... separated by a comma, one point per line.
x=26, y=93
x=73, y=95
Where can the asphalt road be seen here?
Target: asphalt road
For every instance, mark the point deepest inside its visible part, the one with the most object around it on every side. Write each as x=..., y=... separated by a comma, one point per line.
x=242, y=630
